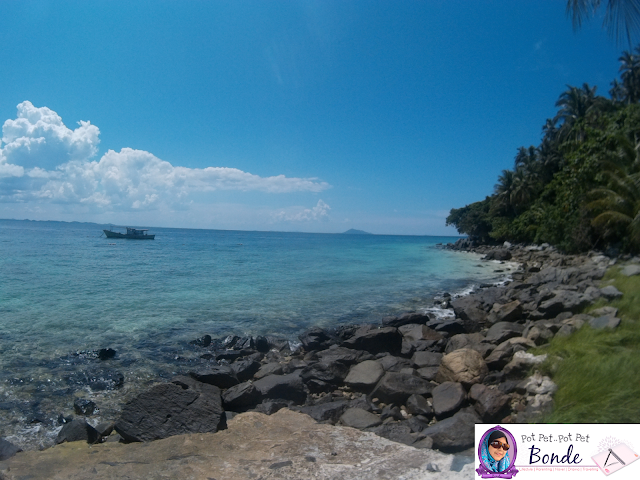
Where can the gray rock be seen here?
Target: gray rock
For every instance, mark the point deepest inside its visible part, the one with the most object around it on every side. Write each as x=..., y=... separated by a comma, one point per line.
x=606, y=321
x=268, y=369
x=418, y=405
x=245, y=369
x=391, y=363
x=498, y=254
x=82, y=406
x=631, y=270
x=428, y=373
x=326, y=412
x=241, y=396
x=454, y=434
x=288, y=387
x=397, y=432
x=364, y=376
x=464, y=340
x=502, y=331
x=491, y=404
x=375, y=340
x=182, y=406
x=413, y=333
x=610, y=292
x=359, y=418
x=315, y=339
x=221, y=376
x=7, y=449
x=448, y=397
x=426, y=359
x=346, y=356
x=563, y=300
x=398, y=387
x=508, y=312
x=77, y=430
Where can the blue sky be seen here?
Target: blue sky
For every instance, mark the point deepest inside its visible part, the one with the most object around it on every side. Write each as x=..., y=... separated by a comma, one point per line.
x=314, y=116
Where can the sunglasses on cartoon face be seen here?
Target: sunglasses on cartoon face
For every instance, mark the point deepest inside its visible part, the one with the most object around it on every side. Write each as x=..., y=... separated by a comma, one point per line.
x=497, y=444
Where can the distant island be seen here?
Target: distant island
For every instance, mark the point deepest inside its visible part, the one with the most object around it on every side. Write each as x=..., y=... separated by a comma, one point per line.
x=353, y=231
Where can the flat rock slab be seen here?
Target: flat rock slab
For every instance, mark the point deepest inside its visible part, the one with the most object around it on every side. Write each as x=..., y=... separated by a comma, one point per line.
x=631, y=270
x=286, y=445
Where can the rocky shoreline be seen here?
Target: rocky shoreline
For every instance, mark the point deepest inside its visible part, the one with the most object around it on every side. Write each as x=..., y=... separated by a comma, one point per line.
x=416, y=379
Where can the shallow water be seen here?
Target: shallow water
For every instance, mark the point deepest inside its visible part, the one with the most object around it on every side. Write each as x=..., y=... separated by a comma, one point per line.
x=64, y=288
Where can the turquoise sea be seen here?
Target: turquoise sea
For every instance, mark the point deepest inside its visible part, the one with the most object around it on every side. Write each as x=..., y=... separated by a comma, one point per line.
x=66, y=290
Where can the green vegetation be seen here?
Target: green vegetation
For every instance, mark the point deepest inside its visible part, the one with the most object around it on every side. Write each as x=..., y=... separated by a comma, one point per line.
x=598, y=371
x=580, y=188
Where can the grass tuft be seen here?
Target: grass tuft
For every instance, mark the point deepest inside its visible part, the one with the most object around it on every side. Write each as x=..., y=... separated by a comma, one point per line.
x=598, y=371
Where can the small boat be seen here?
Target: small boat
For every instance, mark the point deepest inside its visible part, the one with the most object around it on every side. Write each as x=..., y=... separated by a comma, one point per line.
x=132, y=234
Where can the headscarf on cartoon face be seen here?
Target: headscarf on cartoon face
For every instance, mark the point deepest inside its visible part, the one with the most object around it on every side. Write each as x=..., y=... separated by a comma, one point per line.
x=491, y=463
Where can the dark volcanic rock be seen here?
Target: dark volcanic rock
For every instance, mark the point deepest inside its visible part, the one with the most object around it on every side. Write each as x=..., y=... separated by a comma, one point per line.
x=221, y=376
x=375, y=340
x=83, y=406
x=499, y=254
x=321, y=376
x=329, y=412
x=346, y=356
x=454, y=434
x=448, y=397
x=397, y=432
x=405, y=319
x=106, y=353
x=182, y=406
x=364, y=376
x=245, y=369
x=243, y=395
x=491, y=404
x=203, y=341
x=502, y=331
x=268, y=369
x=287, y=387
x=426, y=359
x=7, y=449
x=315, y=339
x=359, y=418
x=398, y=387
x=77, y=430
x=418, y=405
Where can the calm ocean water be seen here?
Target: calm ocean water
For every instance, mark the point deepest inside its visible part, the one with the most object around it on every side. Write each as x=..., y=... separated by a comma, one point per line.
x=65, y=288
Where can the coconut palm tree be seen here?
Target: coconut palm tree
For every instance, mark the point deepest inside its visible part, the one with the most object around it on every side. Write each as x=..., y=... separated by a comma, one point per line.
x=630, y=76
x=616, y=205
x=621, y=18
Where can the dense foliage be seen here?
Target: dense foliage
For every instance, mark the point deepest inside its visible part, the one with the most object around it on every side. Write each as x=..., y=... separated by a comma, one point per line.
x=580, y=188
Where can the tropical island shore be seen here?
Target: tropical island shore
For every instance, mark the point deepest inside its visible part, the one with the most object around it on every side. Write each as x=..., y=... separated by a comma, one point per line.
x=413, y=379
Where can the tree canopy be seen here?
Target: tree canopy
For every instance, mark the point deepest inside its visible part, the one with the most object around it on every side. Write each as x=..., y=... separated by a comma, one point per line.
x=580, y=187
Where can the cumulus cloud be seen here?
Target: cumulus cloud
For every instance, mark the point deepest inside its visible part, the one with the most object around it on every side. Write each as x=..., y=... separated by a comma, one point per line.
x=41, y=160
x=319, y=212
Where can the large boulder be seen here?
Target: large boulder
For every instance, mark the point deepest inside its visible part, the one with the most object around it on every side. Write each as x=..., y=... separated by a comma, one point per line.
x=500, y=254
x=491, y=404
x=7, y=449
x=182, y=406
x=508, y=312
x=315, y=339
x=221, y=376
x=454, y=434
x=359, y=418
x=502, y=331
x=563, y=301
x=345, y=356
x=241, y=396
x=448, y=397
x=375, y=340
x=398, y=387
x=287, y=387
x=426, y=359
x=364, y=376
x=469, y=308
x=78, y=430
x=465, y=366
x=329, y=412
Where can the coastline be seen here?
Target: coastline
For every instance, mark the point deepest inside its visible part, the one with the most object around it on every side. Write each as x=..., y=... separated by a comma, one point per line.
x=413, y=356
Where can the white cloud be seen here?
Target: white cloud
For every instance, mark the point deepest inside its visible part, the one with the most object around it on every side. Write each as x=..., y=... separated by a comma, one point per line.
x=319, y=212
x=42, y=160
